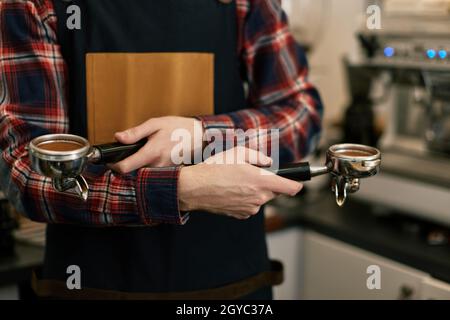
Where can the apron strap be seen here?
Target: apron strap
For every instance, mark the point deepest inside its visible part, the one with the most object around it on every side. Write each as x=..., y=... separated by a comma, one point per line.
x=58, y=290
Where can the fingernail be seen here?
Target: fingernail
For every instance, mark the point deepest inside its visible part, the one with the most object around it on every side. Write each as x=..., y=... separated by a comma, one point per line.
x=298, y=190
x=266, y=161
x=122, y=134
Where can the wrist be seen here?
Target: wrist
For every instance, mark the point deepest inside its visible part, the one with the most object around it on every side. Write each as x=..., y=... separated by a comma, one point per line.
x=198, y=142
x=185, y=186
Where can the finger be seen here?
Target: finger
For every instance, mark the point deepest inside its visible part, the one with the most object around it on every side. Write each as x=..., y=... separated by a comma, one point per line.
x=267, y=196
x=133, y=162
x=239, y=215
x=238, y=212
x=137, y=133
x=249, y=210
x=257, y=158
x=281, y=185
x=235, y=214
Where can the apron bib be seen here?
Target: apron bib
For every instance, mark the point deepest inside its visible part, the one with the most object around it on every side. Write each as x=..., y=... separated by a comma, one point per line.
x=130, y=61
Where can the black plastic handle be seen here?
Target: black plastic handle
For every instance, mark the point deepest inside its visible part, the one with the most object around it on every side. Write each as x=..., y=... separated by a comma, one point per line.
x=295, y=171
x=114, y=152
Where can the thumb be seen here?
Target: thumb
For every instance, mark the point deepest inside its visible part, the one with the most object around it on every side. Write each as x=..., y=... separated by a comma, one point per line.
x=137, y=133
x=282, y=185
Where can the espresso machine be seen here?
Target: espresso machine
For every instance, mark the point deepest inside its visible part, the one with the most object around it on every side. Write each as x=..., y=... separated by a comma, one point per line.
x=408, y=60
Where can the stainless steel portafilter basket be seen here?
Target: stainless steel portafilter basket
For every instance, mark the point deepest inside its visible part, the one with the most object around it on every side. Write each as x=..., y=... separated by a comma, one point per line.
x=347, y=163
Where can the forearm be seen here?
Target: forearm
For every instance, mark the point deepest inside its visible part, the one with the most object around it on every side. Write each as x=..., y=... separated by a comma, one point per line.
x=144, y=197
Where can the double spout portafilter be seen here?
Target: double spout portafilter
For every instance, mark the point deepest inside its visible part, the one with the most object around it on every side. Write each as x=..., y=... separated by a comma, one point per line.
x=347, y=163
x=63, y=158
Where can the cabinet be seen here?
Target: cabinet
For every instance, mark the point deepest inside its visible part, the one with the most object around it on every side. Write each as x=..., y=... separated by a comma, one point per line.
x=286, y=246
x=9, y=293
x=335, y=270
x=435, y=290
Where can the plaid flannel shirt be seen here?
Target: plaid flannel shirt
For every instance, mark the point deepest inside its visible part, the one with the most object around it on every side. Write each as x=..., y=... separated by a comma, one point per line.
x=33, y=102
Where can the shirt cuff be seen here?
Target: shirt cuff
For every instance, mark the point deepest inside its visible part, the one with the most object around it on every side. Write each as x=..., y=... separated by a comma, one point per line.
x=157, y=195
x=221, y=121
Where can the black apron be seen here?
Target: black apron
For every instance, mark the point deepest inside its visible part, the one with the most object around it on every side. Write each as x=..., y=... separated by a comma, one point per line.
x=210, y=250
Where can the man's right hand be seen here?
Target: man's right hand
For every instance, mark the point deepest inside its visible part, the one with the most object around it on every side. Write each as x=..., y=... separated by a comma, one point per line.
x=236, y=190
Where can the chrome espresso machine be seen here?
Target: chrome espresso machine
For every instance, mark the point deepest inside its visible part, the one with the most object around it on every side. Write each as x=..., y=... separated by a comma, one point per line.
x=408, y=60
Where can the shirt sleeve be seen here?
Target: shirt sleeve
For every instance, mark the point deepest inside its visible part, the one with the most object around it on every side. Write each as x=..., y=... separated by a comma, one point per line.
x=33, y=82
x=280, y=96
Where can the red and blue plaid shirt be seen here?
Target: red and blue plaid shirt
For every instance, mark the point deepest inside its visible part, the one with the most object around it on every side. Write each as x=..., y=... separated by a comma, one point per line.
x=33, y=102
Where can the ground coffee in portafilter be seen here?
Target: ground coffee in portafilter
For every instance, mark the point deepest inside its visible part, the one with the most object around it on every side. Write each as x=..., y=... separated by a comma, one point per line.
x=354, y=153
x=60, y=145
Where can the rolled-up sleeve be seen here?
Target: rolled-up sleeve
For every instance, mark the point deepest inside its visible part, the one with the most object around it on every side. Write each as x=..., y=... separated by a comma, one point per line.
x=281, y=97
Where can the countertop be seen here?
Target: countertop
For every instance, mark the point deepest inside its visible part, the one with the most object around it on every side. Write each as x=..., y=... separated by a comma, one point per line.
x=17, y=268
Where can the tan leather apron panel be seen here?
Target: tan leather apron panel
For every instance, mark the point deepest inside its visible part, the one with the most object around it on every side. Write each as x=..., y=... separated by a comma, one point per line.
x=126, y=89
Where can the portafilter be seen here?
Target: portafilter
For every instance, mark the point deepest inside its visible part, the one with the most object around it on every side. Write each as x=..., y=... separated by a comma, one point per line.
x=347, y=163
x=63, y=158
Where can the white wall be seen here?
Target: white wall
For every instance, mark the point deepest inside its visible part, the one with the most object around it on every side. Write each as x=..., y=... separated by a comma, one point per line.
x=333, y=23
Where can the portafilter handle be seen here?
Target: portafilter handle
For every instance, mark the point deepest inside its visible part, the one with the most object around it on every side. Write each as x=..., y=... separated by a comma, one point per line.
x=301, y=171
x=104, y=153
x=114, y=152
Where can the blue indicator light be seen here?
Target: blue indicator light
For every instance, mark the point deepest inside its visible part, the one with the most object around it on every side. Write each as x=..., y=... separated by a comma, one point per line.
x=442, y=54
x=431, y=54
x=389, y=52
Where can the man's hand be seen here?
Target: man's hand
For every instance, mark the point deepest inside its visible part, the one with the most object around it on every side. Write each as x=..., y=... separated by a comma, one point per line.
x=157, y=151
x=236, y=190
